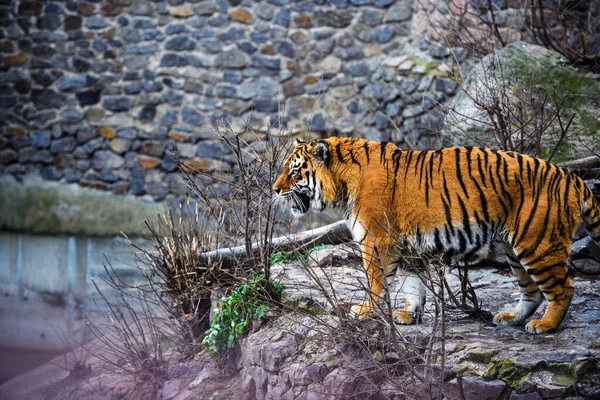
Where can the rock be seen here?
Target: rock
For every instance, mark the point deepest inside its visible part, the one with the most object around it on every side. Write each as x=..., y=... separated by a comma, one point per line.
x=47, y=98
x=585, y=248
x=193, y=117
x=16, y=60
x=399, y=12
x=180, y=43
x=118, y=103
x=453, y=390
x=317, y=372
x=233, y=58
x=333, y=18
x=40, y=139
x=7, y=156
x=63, y=145
x=107, y=159
x=526, y=396
x=282, y=18
x=119, y=145
x=149, y=162
x=241, y=15
x=171, y=389
x=476, y=388
x=89, y=97
x=182, y=11
x=383, y=34
x=261, y=87
x=202, y=377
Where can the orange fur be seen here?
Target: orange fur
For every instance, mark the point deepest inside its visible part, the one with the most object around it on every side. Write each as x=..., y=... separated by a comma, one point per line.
x=457, y=202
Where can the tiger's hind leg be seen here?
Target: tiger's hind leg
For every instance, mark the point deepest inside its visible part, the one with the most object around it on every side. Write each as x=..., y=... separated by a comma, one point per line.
x=531, y=296
x=552, y=279
x=414, y=294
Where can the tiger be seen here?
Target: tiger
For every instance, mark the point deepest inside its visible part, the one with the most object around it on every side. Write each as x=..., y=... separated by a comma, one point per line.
x=457, y=202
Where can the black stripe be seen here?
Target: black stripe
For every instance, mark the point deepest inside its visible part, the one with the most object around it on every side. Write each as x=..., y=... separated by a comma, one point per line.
x=466, y=223
x=459, y=173
x=366, y=148
x=541, y=270
x=338, y=151
x=353, y=159
x=382, y=154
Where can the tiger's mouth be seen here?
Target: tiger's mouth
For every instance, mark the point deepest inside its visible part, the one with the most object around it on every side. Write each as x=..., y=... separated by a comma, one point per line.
x=300, y=204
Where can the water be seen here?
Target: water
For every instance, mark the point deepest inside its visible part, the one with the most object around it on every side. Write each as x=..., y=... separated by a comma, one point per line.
x=46, y=293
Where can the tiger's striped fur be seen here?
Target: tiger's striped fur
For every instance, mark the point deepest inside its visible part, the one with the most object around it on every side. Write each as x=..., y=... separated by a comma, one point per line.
x=457, y=202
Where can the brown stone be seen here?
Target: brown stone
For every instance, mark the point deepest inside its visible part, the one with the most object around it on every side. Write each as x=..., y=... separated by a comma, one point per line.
x=291, y=65
x=309, y=80
x=6, y=46
x=268, y=50
x=62, y=160
x=16, y=60
x=110, y=10
x=179, y=136
x=152, y=147
x=95, y=184
x=109, y=33
x=15, y=131
x=119, y=145
x=106, y=132
x=94, y=114
x=73, y=22
x=372, y=50
x=292, y=88
x=303, y=21
x=118, y=66
x=195, y=164
x=149, y=162
x=241, y=15
x=306, y=103
x=30, y=8
x=89, y=35
x=86, y=8
x=182, y=11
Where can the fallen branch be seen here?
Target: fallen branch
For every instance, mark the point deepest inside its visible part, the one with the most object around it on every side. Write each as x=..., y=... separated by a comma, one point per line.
x=586, y=168
x=335, y=233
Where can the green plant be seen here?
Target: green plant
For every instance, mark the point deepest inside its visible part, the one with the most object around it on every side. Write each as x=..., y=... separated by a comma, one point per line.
x=247, y=302
x=290, y=256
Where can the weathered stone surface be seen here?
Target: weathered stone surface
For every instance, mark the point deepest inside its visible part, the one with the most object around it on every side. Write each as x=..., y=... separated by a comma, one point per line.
x=181, y=11
x=241, y=15
x=149, y=162
x=107, y=159
x=476, y=388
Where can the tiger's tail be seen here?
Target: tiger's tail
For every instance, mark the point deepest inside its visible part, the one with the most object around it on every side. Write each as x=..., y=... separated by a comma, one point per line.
x=591, y=214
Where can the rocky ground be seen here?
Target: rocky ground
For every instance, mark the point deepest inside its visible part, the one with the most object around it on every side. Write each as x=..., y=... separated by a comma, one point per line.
x=304, y=354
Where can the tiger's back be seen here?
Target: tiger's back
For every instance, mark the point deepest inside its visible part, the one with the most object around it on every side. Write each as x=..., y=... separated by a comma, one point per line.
x=458, y=202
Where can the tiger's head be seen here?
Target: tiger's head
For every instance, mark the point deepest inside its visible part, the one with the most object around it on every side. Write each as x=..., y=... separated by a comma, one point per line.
x=304, y=174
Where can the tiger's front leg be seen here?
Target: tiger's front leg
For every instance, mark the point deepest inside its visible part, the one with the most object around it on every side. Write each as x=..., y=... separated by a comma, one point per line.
x=372, y=263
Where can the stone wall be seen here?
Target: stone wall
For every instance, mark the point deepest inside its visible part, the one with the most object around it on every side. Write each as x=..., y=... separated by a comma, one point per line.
x=97, y=92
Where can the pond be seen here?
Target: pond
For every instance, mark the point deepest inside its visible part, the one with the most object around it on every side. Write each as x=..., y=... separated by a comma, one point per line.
x=47, y=292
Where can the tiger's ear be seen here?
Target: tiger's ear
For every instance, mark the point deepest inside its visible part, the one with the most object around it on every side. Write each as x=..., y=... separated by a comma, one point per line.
x=298, y=142
x=321, y=153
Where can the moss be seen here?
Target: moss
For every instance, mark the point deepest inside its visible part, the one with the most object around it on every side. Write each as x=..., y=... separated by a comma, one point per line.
x=514, y=375
x=481, y=355
x=466, y=370
x=461, y=347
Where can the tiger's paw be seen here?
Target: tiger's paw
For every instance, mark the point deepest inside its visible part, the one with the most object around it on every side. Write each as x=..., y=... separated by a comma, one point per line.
x=402, y=317
x=361, y=311
x=506, y=318
x=538, y=326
